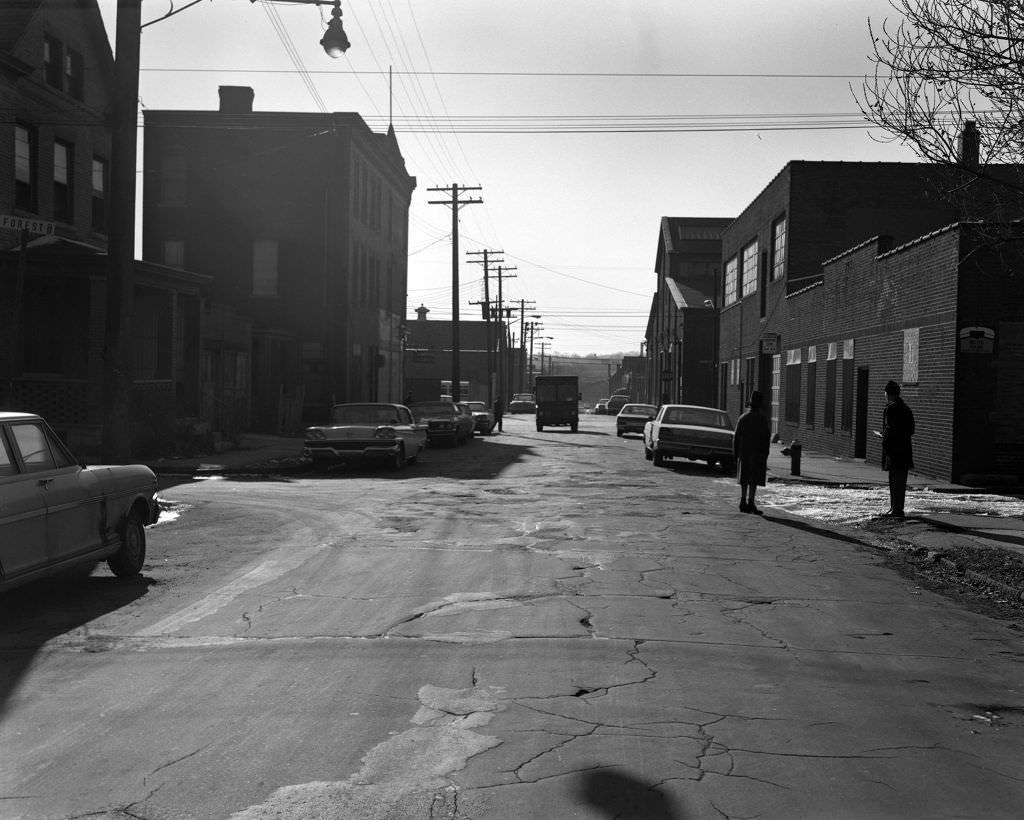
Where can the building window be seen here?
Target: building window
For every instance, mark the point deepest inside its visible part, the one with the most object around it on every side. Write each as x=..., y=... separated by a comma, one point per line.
x=53, y=63
x=793, y=386
x=750, y=269
x=776, y=390
x=63, y=179
x=731, y=281
x=173, y=175
x=811, y=405
x=174, y=253
x=264, y=267
x=911, y=352
x=24, y=168
x=74, y=74
x=778, y=248
x=99, y=195
x=830, y=387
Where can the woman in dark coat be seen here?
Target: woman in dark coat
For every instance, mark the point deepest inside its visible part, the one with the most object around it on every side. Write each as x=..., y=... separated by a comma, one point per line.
x=897, y=448
x=751, y=443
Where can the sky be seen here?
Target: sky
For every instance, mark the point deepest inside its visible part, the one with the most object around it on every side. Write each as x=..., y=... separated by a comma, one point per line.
x=582, y=122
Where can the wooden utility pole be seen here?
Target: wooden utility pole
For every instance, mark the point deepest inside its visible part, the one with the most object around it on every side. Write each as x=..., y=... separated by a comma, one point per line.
x=117, y=350
x=487, y=315
x=504, y=382
x=455, y=203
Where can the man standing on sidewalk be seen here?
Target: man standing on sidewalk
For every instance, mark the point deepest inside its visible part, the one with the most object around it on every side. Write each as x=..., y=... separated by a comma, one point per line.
x=499, y=411
x=897, y=449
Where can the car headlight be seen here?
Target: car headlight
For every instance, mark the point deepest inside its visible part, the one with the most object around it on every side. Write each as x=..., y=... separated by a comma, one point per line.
x=316, y=433
x=385, y=433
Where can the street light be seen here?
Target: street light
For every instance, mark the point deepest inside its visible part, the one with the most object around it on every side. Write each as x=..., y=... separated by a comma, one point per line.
x=335, y=41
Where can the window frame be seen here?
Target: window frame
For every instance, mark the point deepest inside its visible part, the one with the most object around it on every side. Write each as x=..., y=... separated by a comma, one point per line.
x=26, y=190
x=64, y=191
x=749, y=254
x=730, y=280
x=778, y=248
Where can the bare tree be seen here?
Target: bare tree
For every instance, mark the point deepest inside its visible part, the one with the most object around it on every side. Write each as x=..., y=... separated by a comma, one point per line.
x=949, y=83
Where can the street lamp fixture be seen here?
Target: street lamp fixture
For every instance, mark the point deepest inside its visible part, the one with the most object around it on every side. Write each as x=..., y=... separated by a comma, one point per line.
x=335, y=42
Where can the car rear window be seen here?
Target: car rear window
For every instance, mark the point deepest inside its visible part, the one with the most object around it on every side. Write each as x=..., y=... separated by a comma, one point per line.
x=639, y=410
x=433, y=407
x=697, y=417
x=364, y=414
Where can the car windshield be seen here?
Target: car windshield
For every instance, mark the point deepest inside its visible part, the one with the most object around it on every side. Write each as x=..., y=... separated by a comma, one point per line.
x=364, y=414
x=433, y=408
x=639, y=410
x=477, y=406
x=697, y=417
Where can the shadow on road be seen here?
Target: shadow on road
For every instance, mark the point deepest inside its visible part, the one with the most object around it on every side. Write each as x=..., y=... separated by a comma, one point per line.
x=826, y=532
x=624, y=797
x=35, y=613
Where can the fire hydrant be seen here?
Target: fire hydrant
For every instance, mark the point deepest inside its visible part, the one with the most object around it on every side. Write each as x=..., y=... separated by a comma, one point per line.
x=795, y=451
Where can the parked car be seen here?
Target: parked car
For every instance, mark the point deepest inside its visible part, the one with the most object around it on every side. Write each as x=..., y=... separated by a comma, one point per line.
x=56, y=513
x=444, y=421
x=523, y=405
x=633, y=417
x=483, y=418
x=366, y=431
x=615, y=404
x=690, y=431
x=601, y=407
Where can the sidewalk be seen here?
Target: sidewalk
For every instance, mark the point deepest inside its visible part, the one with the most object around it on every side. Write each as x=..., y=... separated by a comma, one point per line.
x=255, y=453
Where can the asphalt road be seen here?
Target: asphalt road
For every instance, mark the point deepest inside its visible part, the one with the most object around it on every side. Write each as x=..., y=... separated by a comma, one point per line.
x=532, y=625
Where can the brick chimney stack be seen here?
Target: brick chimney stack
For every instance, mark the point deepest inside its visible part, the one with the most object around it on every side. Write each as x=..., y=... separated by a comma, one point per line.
x=236, y=99
x=969, y=145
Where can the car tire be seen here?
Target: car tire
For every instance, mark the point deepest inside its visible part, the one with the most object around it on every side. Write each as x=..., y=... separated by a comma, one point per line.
x=574, y=427
x=540, y=427
x=658, y=458
x=131, y=555
x=729, y=465
x=647, y=453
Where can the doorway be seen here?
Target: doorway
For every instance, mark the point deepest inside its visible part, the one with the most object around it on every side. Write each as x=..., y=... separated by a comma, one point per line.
x=860, y=434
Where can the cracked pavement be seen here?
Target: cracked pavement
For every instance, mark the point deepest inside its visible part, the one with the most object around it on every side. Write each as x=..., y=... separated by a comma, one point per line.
x=575, y=634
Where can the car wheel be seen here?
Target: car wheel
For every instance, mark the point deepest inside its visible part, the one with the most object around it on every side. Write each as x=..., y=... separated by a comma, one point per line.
x=619, y=433
x=131, y=555
x=647, y=453
x=658, y=458
x=729, y=466
x=540, y=427
x=414, y=458
x=574, y=427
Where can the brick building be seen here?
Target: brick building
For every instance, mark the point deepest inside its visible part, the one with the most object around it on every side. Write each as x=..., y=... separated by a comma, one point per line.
x=428, y=359
x=301, y=222
x=810, y=212
x=681, y=331
x=942, y=315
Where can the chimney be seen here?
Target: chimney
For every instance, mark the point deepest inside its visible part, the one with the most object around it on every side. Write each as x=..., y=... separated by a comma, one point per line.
x=969, y=145
x=421, y=313
x=236, y=99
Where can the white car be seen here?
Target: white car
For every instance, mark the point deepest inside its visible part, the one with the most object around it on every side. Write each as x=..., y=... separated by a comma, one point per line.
x=690, y=431
x=367, y=431
x=56, y=513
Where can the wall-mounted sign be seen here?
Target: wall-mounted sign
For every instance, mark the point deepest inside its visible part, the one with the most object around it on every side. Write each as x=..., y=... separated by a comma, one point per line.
x=770, y=344
x=20, y=223
x=977, y=340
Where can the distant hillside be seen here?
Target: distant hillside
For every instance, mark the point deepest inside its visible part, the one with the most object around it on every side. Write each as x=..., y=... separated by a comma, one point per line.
x=593, y=371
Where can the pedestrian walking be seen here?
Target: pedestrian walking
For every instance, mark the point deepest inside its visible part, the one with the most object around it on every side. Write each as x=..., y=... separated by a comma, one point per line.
x=499, y=411
x=897, y=448
x=751, y=443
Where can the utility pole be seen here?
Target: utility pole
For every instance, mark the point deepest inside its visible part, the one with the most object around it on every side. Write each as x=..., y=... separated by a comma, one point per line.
x=117, y=351
x=455, y=203
x=487, y=315
x=505, y=386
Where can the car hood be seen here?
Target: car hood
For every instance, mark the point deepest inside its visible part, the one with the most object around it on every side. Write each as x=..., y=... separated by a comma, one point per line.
x=124, y=477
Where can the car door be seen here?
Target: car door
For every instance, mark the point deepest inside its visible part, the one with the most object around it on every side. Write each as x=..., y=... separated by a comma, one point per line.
x=73, y=511
x=22, y=516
